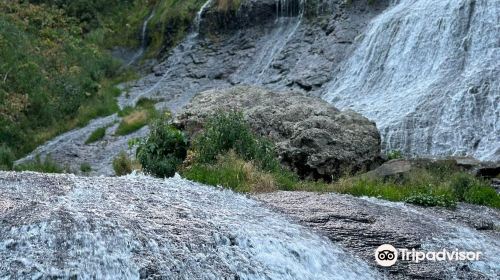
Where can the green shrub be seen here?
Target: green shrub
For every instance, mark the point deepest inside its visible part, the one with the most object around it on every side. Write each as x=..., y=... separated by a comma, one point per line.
x=122, y=164
x=483, y=195
x=85, y=167
x=396, y=154
x=461, y=183
x=429, y=199
x=96, y=135
x=46, y=165
x=6, y=158
x=229, y=131
x=163, y=150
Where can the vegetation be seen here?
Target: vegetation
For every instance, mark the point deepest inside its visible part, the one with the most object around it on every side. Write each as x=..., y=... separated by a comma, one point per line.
x=6, y=158
x=51, y=77
x=227, y=153
x=85, y=167
x=135, y=118
x=96, y=135
x=163, y=151
x=230, y=171
x=394, y=155
x=47, y=165
x=171, y=22
x=229, y=131
x=122, y=164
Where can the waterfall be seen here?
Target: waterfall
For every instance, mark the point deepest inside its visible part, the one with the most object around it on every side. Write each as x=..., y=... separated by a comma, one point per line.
x=289, y=16
x=427, y=72
x=175, y=57
x=138, y=227
x=143, y=47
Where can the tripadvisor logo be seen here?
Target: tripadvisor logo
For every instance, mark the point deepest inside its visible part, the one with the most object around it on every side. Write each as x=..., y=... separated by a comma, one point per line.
x=386, y=255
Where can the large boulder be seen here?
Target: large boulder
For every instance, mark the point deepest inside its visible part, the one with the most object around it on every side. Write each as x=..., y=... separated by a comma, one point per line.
x=312, y=137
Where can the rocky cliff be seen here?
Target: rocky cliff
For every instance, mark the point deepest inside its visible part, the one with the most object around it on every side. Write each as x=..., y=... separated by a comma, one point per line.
x=425, y=71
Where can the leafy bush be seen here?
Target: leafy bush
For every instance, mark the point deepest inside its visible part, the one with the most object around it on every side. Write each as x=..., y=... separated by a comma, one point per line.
x=51, y=77
x=6, y=158
x=46, y=165
x=229, y=131
x=85, y=167
x=96, y=135
x=163, y=150
x=122, y=164
x=396, y=154
x=428, y=199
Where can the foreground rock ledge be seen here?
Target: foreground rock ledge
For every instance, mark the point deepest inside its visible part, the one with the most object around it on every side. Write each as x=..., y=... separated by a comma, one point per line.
x=363, y=224
x=312, y=137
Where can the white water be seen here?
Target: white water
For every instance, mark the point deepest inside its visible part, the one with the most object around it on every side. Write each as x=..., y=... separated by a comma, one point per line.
x=428, y=73
x=143, y=47
x=178, y=54
x=114, y=228
x=273, y=43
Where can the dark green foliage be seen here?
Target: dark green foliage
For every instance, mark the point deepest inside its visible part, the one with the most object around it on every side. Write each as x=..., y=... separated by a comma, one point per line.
x=6, y=158
x=425, y=199
x=163, y=151
x=85, y=167
x=229, y=131
x=96, y=135
x=122, y=165
x=49, y=75
x=46, y=165
x=394, y=155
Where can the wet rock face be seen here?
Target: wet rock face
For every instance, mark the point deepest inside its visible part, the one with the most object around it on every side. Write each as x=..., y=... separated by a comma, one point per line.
x=361, y=225
x=312, y=137
x=137, y=227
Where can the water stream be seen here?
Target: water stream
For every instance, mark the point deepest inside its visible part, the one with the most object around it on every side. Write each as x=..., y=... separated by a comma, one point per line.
x=137, y=226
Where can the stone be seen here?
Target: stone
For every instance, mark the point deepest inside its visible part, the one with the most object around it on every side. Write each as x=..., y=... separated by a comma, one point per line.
x=391, y=168
x=312, y=137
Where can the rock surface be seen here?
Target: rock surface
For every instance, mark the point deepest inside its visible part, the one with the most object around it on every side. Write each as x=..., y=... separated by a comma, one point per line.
x=312, y=137
x=363, y=224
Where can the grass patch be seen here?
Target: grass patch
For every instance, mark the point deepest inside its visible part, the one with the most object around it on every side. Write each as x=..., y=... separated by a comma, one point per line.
x=96, y=135
x=230, y=171
x=85, y=167
x=134, y=119
x=46, y=165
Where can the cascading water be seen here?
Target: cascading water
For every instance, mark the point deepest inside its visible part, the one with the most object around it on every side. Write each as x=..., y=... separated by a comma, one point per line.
x=143, y=47
x=62, y=226
x=428, y=73
x=178, y=54
x=289, y=16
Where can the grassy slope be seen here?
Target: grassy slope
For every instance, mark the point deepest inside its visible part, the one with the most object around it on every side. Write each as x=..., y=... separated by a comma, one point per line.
x=55, y=71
